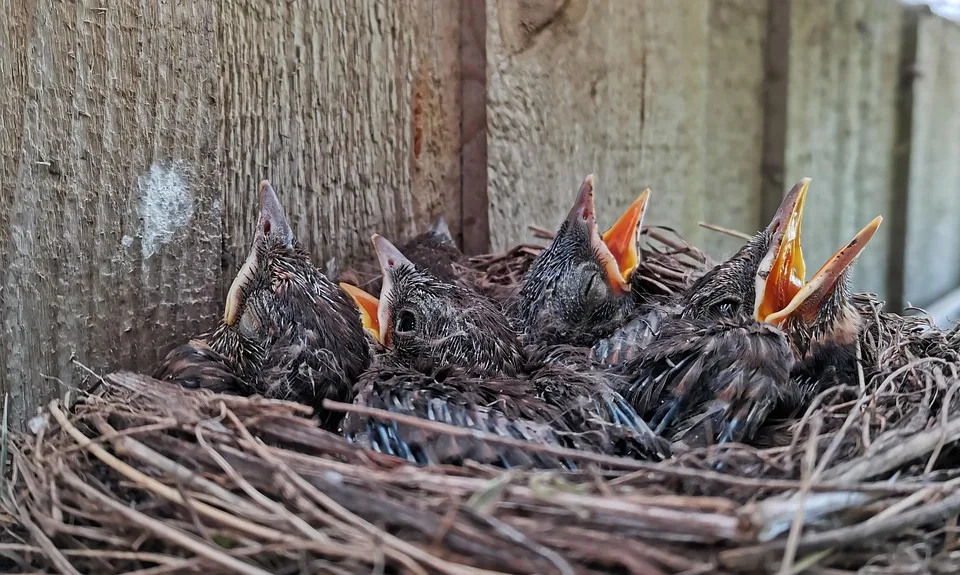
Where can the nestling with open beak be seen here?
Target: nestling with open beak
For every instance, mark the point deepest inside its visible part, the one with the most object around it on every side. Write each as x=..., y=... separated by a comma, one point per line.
x=578, y=289
x=287, y=331
x=751, y=335
x=645, y=311
x=818, y=316
x=427, y=325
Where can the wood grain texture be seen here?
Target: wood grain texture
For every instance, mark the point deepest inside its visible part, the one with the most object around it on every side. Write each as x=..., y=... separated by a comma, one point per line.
x=734, y=121
x=932, y=258
x=775, y=91
x=348, y=116
x=614, y=88
x=133, y=138
x=110, y=239
x=841, y=125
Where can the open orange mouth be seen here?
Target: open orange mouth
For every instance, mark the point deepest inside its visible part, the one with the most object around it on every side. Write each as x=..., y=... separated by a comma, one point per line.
x=781, y=288
x=622, y=239
x=368, y=307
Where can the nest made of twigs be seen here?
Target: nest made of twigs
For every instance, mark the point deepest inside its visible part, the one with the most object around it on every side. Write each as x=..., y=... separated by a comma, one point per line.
x=143, y=476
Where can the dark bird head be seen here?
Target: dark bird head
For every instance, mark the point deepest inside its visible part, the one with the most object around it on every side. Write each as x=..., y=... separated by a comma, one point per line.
x=766, y=281
x=730, y=289
x=436, y=251
x=817, y=315
x=438, y=234
x=421, y=317
x=578, y=288
x=291, y=332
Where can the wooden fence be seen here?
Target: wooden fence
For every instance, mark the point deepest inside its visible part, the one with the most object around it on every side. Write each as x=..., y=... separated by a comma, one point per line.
x=133, y=135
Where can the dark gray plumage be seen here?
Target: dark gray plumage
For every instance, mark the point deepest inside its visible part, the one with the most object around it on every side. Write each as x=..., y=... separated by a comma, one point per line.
x=421, y=316
x=747, y=339
x=288, y=332
x=571, y=294
x=427, y=325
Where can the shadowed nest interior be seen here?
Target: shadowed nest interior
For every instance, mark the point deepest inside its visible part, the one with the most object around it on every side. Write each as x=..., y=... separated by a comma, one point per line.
x=138, y=475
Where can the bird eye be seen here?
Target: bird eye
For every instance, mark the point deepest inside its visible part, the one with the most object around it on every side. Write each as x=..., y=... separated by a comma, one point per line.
x=594, y=290
x=406, y=322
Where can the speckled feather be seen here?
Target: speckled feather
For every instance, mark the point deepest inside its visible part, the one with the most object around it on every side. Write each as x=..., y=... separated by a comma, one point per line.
x=296, y=336
x=197, y=365
x=503, y=407
x=714, y=370
x=630, y=340
x=725, y=374
x=438, y=324
x=555, y=405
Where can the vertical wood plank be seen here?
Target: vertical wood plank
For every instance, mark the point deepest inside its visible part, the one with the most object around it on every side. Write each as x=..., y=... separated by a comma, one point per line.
x=775, y=100
x=318, y=99
x=841, y=124
x=473, y=82
x=15, y=30
x=120, y=119
x=897, y=221
x=339, y=106
x=436, y=114
x=111, y=234
x=933, y=211
x=614, y=88
x=735, y=121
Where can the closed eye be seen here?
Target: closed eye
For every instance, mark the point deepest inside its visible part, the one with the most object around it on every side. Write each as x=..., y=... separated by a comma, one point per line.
x=588, y=288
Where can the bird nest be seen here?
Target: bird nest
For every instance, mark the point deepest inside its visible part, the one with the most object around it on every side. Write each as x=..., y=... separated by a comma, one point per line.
x=138, y=475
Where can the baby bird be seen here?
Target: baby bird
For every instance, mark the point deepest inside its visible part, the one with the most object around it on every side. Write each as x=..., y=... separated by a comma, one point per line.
x=287, y=331
x=751, y=335
x=421, y=316
x=585, y=289
x=427, y=325
x=578, y=289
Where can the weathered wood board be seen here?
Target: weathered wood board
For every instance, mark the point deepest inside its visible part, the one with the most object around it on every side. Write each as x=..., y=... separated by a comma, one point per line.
x=133, y=137
x=614, y=88
x=110, y=231
x=932, y=254
x=350, y=109
x=841, y=125
x=734, y=122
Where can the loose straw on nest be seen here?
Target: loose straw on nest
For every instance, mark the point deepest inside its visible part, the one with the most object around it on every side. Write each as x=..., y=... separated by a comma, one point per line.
x=150, y=478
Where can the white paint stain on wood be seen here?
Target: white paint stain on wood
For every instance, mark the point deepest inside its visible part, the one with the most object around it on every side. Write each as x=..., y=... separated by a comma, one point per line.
x=166, y=205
